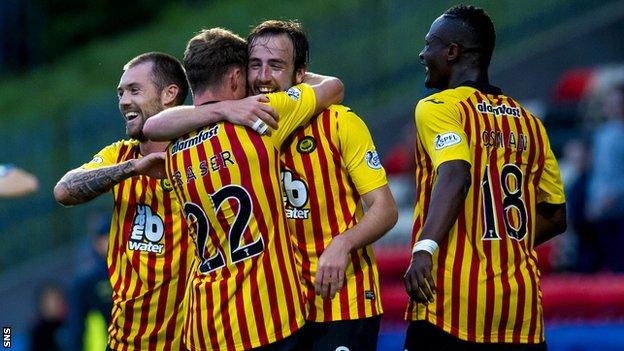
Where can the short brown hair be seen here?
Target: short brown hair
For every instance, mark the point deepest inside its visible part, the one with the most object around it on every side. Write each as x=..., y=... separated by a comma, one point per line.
x=166, y=70
x=209, y=56
x=295, y=32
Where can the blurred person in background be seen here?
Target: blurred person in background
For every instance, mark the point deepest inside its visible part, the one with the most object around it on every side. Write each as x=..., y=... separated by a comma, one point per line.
x=15, y=182
x=583, y=239
x=605, y=203
x=52, y=313
x=90, y=295
x=488, y=192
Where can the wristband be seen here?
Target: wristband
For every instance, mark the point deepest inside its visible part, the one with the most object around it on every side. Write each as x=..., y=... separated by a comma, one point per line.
x=427, y=245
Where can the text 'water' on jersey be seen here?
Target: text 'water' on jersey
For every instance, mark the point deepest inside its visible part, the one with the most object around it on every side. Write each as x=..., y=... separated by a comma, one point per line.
x=326, y=166
x=149, y=257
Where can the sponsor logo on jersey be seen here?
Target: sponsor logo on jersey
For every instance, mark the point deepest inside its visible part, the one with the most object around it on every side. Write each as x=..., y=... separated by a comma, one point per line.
x=486, y=107
x=97, y=159
x=294, y=93
x=372, y=159
x=202, y=136
x=369, y=294
x=447, y=139
x=306, y=145
x=165, y=185
x=148, y=229
x=432, y=100
x=295, y=196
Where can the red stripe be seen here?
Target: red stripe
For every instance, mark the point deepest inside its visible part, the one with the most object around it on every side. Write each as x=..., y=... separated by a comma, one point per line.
x=457, y=271
x=473, y=291
x=487, y=247
x=317, y=226
x=520, y=246
x=534, y=148
x=505, y=264
x=531, y=225
x=226, y=271
x=143, y=312
x=324, y=161
x=368, y=255
x=300, y=232
x=270, y=234
x=439, y=302
x=244, y=168
x=200, y=285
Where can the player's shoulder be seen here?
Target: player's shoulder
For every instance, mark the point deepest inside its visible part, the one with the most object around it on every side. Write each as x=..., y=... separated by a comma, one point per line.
x=294, y=93
x=445, y=98
x=123, y=143
x=339, y=109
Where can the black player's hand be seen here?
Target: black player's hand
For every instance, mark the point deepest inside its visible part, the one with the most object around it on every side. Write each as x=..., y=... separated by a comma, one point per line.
x=419, y=283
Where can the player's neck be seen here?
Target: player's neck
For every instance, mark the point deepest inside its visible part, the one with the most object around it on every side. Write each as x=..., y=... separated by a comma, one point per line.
x=210, y=95
x=469, y=74
x=147, y=147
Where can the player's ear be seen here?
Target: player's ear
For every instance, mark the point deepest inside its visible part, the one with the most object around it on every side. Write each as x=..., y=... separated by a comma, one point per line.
x=452, y=53
x=237, y=79
x=168, y=94
x=300, y=73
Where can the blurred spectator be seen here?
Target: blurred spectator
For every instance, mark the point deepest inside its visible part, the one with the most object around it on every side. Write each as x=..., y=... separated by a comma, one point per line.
x=91, y=295
x=575, y=167
x=15, y=182
x=605, y=197
x=52, y=309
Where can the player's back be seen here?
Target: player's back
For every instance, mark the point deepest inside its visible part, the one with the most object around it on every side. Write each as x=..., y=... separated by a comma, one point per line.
x=244, y=292
x=227, y=178
x=494, y=285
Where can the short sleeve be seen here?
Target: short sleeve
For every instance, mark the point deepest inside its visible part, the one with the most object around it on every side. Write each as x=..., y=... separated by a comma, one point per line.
x=550, y=187
x=104, y=158
x=295, y=108
x=439, y=128
x=359, y=153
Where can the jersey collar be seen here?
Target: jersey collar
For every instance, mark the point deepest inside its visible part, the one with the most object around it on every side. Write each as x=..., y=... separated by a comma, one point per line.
x=482, y=87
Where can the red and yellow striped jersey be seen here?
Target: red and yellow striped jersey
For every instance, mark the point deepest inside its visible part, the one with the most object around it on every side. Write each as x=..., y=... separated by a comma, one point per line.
x=486, y=268
x=149, y=257
x=244, y=291
x=326, y=167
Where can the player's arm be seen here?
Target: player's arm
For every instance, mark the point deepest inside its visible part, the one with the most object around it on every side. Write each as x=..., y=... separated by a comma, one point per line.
x=174, y=122
x=381, y=216
x=328, y=90
x=451, y=162
x=15, y=182
x=447, y=198
x=551, y=207
x=551, y=221
x=81, y=185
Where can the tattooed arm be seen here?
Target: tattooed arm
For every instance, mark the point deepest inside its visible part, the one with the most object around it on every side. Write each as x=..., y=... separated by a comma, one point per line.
x=80, y=185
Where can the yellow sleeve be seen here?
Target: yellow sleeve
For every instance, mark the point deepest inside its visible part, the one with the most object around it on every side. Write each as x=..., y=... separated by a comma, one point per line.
x=359, y=153
x=105, y=157
x=440, y=130
x=295, y=108
x=550, y=187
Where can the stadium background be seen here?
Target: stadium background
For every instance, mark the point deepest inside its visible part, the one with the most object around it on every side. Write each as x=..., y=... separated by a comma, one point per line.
x=60, y=61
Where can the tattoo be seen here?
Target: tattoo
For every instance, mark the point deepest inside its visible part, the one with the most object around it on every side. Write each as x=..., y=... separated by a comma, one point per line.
x=85, y=185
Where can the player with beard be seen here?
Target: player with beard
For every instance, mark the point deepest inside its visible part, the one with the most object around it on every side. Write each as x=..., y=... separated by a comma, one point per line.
x=149, y=252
